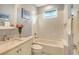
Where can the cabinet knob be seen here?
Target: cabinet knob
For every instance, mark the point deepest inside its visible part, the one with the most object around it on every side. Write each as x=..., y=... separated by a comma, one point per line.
x=20, y=49
x=17, y=51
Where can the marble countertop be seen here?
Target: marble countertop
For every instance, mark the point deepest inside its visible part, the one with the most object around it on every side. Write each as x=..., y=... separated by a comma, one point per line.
x=7, y=46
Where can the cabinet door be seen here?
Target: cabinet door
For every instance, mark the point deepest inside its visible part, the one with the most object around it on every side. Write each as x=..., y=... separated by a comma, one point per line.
x=26, y=48
x=15, y=51
x=23, y=49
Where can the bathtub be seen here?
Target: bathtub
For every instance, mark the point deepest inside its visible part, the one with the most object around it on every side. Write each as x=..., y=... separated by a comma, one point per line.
x=50, y=47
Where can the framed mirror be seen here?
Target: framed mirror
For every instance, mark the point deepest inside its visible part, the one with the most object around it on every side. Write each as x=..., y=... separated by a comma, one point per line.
x=25, y=14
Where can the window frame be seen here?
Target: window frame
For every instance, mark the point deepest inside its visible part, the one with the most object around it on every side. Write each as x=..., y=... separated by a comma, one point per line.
x=49, y=17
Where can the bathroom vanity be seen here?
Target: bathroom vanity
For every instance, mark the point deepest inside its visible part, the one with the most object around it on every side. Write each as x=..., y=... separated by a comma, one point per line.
x=20, y=46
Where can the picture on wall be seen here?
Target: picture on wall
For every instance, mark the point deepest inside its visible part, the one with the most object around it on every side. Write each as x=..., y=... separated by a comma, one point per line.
x=25, y=14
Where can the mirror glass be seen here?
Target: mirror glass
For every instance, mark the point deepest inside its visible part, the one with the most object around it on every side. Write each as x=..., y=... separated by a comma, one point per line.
x=7, y=15
x=4, y=19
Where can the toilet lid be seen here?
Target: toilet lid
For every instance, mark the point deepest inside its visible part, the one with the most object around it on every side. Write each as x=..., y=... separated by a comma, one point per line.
x=36, y=46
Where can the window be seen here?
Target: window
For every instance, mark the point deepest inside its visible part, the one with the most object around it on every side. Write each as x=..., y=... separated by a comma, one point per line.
x=72, y=12
x=50, y=14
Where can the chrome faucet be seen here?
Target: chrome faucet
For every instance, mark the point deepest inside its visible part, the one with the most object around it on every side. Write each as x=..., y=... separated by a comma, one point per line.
x=4, y=38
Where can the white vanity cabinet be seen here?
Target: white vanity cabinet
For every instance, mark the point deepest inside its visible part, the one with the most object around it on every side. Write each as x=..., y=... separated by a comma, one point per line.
x=22, y=49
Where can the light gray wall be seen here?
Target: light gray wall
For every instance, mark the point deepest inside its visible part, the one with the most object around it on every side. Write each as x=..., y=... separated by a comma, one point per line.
x=27, y=30
x=76, y=23
x=10, y=9
x=51, y=28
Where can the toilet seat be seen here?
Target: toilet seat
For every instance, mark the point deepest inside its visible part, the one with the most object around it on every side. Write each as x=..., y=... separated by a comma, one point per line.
x=37, y=49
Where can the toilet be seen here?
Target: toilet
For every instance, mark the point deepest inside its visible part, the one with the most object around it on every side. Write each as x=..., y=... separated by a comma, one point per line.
x=37, y=49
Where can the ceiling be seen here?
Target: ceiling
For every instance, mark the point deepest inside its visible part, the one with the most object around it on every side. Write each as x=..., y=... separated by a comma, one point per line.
x=40, y=5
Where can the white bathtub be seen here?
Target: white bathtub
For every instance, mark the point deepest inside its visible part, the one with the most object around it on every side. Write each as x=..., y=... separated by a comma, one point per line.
x=51, y=47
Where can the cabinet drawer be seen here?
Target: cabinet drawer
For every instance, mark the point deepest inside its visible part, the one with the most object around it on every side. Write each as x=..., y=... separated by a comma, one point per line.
x=26, y=48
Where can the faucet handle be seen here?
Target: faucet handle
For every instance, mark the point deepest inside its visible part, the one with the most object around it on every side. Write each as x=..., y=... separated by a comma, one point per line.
x=4, y=37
